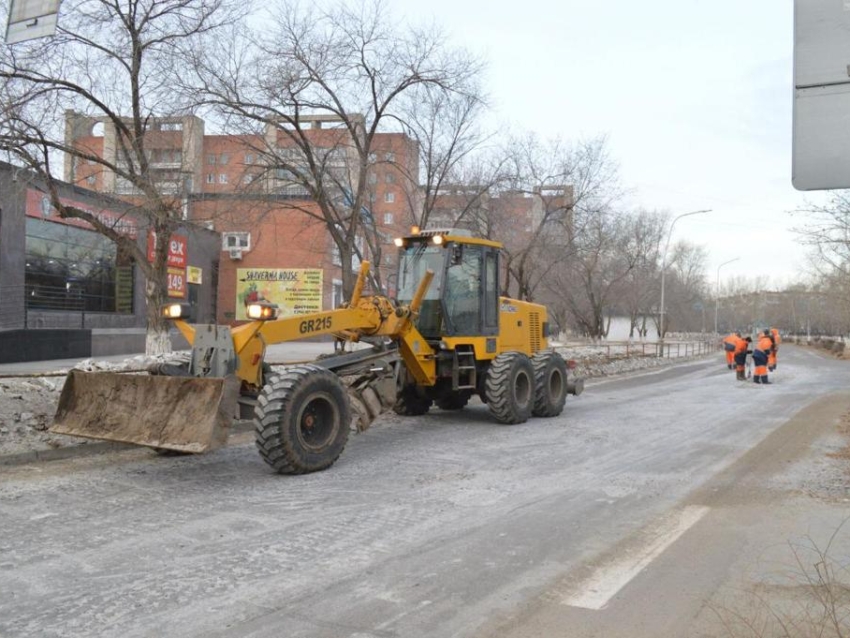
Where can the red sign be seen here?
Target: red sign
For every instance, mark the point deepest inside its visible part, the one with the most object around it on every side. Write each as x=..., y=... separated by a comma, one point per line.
x=38, y=205
x=177, y=282
x=177, y=253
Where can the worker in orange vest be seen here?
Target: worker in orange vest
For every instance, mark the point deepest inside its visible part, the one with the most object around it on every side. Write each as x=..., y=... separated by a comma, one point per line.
x=771, y=358
x=742, y=349
x=761, y=351
x=729, y=346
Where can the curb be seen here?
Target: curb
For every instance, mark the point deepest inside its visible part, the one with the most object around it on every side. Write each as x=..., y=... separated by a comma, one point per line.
x=89, y=449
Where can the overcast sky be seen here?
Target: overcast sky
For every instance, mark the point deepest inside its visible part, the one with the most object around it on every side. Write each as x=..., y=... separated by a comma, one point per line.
x=694, y=96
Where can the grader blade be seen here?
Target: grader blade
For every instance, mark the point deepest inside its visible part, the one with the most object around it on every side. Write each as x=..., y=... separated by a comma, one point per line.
x=185, y=414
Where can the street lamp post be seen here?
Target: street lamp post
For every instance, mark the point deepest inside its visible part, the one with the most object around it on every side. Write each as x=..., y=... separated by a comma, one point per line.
x=664, y=265
x=717, y=291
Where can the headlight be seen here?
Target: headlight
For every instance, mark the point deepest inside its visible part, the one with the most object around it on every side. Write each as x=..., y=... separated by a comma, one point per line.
x=398, y=241
x=176, y=311
x=261, y=311
x=437, y=239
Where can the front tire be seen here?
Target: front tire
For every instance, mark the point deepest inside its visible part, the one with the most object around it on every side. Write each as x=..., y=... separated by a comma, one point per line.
x=510, y=388
x=550, y=384
x=302, y=420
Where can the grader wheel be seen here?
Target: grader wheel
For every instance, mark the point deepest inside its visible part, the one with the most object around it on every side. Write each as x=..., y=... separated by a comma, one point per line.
x=510, y=388
x=453, y=402
x=550, y=383
x=410, y=403
x=302, y=420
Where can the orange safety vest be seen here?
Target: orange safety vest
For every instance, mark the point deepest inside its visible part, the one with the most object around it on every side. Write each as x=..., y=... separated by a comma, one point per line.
x=776, y=338
x=765, y=344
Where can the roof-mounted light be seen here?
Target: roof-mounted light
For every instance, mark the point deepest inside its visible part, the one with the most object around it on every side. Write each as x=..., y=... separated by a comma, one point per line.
x=414, y=230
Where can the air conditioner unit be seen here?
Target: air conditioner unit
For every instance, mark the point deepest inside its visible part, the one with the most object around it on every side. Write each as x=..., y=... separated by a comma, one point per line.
x=235, y=253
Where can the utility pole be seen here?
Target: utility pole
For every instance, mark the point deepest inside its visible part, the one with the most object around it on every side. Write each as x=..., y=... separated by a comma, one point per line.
x=664, y=266
x=717, y=291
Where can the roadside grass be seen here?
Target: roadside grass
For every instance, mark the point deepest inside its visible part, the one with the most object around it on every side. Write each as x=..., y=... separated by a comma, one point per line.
x=843, y=429
x=811, y=599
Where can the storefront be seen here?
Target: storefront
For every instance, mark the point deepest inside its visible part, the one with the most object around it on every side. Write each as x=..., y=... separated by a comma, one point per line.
x=68, y=291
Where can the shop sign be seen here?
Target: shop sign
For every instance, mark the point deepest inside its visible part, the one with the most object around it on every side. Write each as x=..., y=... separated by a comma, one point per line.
x=177, y=252
x=38, y=205
x=194, y=275
x=296, y=291
x=177, y=282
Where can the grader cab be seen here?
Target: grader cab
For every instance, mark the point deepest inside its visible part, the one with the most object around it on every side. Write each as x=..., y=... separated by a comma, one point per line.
x=447, y=336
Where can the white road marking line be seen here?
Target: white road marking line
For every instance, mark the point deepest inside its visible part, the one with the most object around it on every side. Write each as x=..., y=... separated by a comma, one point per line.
x=601, y=586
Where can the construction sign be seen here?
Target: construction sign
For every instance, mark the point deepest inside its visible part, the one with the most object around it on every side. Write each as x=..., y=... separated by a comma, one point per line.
x=296, y=291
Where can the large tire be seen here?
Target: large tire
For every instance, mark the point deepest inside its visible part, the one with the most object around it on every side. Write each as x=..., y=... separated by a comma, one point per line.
x=510, y=388
x=409, y=402
x=301, y=420
x=550, y=384
x=455, y=401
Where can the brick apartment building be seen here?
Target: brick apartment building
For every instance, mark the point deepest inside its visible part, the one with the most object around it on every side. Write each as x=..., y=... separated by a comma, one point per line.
x=267, y=221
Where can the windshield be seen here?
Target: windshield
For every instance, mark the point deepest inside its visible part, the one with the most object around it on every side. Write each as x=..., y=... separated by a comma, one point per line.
x=413, y=262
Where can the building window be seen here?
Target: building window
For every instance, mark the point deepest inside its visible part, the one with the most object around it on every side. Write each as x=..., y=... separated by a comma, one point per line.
x=390, y=157
x=91, y=180
x=390, y=178
x=249, y=158
x=210, y=178
x=373, y=157
x=389, y=197
x=210, y=159
x=372, y=179
x=222, y=178
x=236, y=241
x=388, y=218
x=69, y=268
x=223, y=159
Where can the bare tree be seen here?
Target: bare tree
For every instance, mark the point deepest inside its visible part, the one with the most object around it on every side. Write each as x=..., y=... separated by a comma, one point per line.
x=318, y=88
x=638, y=291
x=118, y=63
x=566, y=186
x=827, y=233
x=584, y=285
x=445, y=126
x=687, y=286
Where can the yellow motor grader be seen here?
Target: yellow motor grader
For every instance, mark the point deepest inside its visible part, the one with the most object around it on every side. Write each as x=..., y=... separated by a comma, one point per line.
x=446, y=337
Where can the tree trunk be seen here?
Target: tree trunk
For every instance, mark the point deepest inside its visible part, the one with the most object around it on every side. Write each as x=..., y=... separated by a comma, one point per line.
x=157, y=340
x=346, y=271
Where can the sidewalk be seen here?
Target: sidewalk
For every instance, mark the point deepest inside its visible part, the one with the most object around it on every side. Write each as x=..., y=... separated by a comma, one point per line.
x=277, y=354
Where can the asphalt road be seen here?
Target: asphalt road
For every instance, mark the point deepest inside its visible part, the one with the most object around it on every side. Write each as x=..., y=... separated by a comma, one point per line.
x=638, y=512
